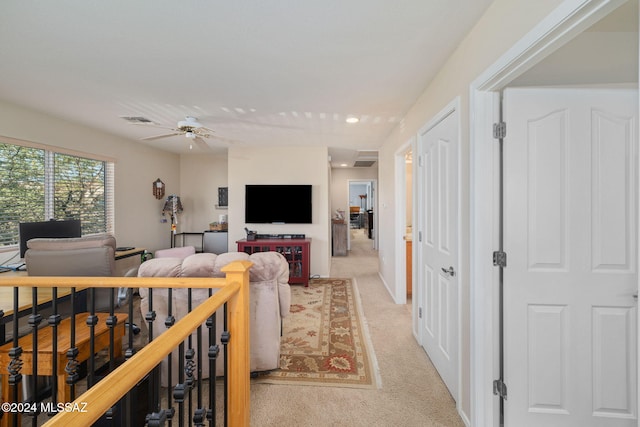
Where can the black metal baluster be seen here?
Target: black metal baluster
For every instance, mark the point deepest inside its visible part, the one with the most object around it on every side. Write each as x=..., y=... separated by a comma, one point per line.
x=179, y=389
x=199, y=414
x=154, y=377
x=92, y=321
x=54, y=320
x=130, y=352
x=112, y=322
x=72, y=362
x=15, y=366
x=157, y=416
x=189, y=362
x=169, y=322
x=131, y=326
x=224, y=338
x=34, y=321
x=214, y=350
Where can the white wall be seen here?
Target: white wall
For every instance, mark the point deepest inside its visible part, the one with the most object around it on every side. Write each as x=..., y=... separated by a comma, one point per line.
x=283, y=165
x=200, y=177
x=137, y=212
x=504, y=23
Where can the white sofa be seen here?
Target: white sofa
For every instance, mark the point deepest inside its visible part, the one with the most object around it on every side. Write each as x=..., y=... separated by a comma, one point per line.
x=270, y=298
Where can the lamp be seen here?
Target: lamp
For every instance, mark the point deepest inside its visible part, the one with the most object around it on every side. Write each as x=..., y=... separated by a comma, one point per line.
x=191, y=136
x=158, y=189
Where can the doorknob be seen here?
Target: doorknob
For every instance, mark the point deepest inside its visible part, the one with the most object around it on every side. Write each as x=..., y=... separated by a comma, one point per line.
x=449, y=271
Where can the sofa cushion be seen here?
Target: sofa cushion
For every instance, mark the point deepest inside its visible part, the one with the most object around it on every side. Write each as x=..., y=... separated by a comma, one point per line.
x=179, y=252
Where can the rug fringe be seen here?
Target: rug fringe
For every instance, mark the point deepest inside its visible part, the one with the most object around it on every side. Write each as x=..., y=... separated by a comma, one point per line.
x=373, y=360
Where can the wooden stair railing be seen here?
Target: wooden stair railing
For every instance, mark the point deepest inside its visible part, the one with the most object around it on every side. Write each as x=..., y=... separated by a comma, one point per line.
x=233, y=290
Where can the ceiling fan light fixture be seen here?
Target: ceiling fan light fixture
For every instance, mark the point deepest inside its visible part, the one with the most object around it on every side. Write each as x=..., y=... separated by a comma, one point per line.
x=189, y=122
x=190, y=135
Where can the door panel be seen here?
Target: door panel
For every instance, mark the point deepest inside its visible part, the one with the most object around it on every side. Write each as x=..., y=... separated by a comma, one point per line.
x=570, y=236
x=438, y=148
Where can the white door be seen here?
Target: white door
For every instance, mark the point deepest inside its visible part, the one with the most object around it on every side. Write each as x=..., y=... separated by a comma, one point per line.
x=570, y=237
x=438, y=274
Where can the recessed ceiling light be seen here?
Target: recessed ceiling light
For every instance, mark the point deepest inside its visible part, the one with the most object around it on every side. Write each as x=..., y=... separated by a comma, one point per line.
x=352, y=119
x=344, y=165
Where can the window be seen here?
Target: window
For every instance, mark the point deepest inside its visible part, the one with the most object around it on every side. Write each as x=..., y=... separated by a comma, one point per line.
x=37, y=184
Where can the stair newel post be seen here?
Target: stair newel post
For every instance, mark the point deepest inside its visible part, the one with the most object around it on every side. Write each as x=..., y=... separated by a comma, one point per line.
x=238, y=360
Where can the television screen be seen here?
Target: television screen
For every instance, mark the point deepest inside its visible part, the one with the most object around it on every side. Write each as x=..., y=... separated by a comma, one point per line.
x=278, y=204
x=48, y=229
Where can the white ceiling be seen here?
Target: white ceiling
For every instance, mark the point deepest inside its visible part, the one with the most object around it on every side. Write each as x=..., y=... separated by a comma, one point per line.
x=258, y=72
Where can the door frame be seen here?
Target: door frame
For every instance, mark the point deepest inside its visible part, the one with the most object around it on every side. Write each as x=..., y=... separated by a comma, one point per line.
x=373, y=183
x=418, y=255
x=570, y=18
x=400, y=295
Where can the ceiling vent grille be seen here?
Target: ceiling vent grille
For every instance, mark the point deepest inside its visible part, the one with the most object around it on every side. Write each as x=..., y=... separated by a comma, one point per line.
x=363, y=163
x=136, y=119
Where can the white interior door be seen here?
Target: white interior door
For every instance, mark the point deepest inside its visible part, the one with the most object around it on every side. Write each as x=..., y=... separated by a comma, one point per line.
x=570, y=215
x=438, y=261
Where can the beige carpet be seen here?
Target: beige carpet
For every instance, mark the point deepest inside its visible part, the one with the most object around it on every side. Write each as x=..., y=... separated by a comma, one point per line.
x=411, y=393
x=325, y=340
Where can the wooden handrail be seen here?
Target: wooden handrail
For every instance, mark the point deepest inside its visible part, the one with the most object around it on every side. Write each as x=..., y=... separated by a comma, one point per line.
x=112, y=282
x=234, y=289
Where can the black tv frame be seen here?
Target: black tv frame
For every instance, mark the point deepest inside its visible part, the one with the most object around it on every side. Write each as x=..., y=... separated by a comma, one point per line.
x=48, y=229
x=278, y=204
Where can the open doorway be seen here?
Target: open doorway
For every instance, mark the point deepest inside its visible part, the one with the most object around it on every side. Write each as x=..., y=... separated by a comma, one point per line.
x=362, y=215
x=404, y=223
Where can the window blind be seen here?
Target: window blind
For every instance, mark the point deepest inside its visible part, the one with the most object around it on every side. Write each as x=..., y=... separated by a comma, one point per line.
x=39, y=184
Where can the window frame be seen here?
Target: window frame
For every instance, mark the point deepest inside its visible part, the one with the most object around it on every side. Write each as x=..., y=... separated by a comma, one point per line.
x=49, y=181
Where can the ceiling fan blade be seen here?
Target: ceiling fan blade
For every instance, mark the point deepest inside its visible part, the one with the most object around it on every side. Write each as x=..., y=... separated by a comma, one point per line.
x=153, y=125
x=204, y=132
x=201, y=144
x=166, y=135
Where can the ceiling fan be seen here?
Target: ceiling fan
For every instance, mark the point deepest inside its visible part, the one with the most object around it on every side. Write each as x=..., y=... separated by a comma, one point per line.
x=190, y=128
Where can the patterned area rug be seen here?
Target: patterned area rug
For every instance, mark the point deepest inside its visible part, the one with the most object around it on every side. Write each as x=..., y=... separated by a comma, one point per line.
x=325, y=341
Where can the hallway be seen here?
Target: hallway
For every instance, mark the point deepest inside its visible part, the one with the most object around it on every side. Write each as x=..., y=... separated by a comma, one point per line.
x=411, y=393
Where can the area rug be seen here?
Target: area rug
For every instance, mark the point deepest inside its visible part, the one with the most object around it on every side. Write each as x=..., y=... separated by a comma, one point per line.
x=325, y=339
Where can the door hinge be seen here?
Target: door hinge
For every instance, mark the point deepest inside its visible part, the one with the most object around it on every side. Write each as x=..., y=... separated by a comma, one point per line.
x=500, y=130
x=419, y=312
x=419, y=161
x=500, y=259
x=419, y=236
x=500, y=389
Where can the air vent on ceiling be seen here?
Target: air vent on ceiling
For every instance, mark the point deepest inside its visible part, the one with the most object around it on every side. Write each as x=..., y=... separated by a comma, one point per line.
x=136, y=119
x=363, y=163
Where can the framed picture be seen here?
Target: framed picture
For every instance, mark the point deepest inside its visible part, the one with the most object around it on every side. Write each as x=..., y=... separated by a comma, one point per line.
x=223, y=197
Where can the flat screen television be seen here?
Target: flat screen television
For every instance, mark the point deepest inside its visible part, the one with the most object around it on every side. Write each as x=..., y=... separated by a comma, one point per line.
x=48, y=229
x=278, y=204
